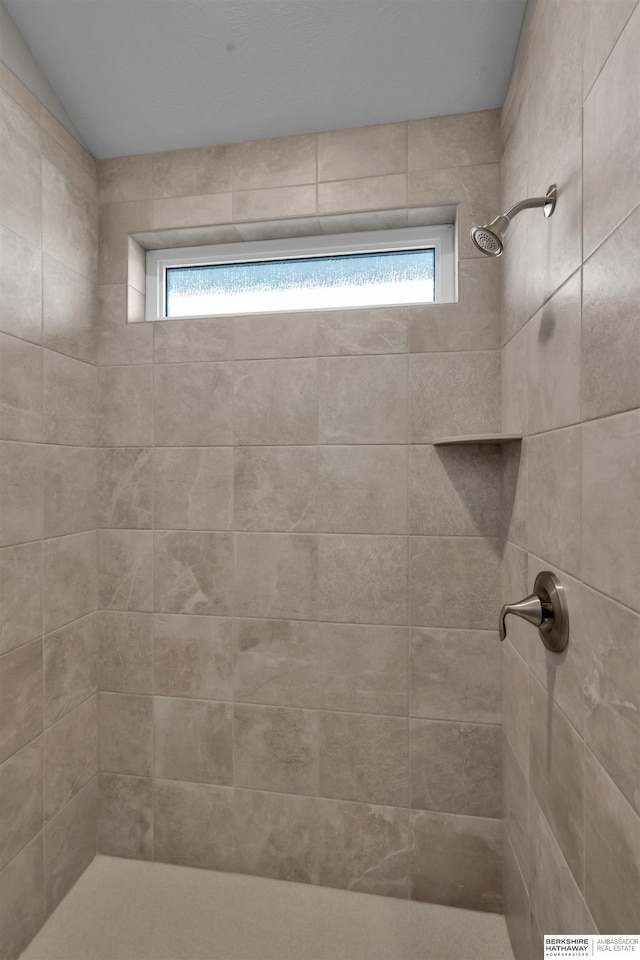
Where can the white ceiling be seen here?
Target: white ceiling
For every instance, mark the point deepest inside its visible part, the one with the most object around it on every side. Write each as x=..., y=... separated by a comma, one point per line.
x=143, y=75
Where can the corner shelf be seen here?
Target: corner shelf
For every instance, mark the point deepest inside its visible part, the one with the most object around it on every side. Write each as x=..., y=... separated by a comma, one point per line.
x=478, y=438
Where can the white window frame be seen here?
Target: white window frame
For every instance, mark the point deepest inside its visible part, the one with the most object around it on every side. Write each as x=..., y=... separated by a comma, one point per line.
x=440, y=238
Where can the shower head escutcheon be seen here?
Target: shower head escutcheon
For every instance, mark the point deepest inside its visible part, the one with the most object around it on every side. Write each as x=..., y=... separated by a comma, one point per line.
x=489, y=238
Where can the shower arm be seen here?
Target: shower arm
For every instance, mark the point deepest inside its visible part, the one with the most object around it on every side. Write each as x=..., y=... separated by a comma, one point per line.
x=548, y=202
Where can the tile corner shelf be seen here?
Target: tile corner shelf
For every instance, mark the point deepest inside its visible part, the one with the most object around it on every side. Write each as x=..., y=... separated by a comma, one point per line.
x=477, y=438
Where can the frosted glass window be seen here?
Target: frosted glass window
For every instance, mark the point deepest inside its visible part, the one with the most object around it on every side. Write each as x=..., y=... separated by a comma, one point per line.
x=320, y=283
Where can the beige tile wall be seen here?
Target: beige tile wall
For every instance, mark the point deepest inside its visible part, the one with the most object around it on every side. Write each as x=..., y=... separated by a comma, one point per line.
x=48, y=590
x=296, y=639
x=571, y=382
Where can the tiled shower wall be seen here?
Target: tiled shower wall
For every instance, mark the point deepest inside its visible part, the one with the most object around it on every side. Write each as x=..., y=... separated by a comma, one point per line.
x=571, y=364
x=298, y=667
x=48, y=595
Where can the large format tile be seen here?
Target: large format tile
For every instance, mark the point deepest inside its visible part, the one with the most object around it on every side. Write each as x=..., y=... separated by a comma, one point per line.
x=20, y=390
x=22, y=900
x=352, y=411
x=21, y=493
x=126, y=816
x=193, y=488
x=125, y=178
x=456, y=767
x=69, y=311
x=193, y=657
x=125, y=651
x=125, y=569
x=70, y=589
x=125, y=734
x=516, y=679
x=70, y=756
x=70, y=842
x=455, y=675
x=126, y=406
x=193, y=824
x=275, y=336
x=553, y=515
x=365, y=193
x=276, y=749
x=125, y=491
x=70, y=668
x=20, y=178
x=189, y=340
x=363, y=331
x=192, y=740
x=516, y=904
x=20, y=287
x=364, y=758
x=327, y=666
x=611, y=506
x=602, y=25
x=22, y=799
x=70, y=477
x=70, y=216
x=275, y=488
x=457, y=861
x=454, y=582
x=362, y=152
x=70, y=400
x=453, y=394
x=362, y=489
x=277, y=835
x=276, y=402
x=277, y=162
x=276, y=575
x=454, y=141
x=178, y=173
x=20, y=595
x=193, y=573
x=516, y=811
x=362, y=579
x=179, y=390
x=118, y=341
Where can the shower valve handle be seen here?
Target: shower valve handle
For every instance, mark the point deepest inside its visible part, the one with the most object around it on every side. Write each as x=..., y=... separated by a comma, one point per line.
x=546, y=609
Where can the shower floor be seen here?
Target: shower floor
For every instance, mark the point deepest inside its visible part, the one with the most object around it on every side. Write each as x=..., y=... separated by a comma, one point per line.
x=130, y=910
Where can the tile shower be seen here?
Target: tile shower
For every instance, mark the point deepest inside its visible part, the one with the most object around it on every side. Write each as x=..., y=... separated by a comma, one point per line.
x=248, y=608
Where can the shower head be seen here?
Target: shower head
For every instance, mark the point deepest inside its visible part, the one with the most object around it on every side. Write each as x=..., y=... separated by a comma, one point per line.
x=489, y=238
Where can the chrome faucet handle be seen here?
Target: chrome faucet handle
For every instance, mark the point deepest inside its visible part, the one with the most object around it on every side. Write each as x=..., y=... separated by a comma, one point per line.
x=545, y=608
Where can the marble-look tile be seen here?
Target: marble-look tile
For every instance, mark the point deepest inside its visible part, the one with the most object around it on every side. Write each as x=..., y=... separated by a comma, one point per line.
x=69, y=311
x=516, y=295
x=276, y=749
x=21, y=493
x=516, y=680
x=456, y=767
x=179, y=173
x=366, y=193
x=20, y=174
x=455, y=675
x=193, y=657
x=515, y=382
x=125, y=569
x=327, y=666
x=611, y=325
x=365, y=848
x=51, y=128
x=20, y=287
x=274, y=202
x=275, y=336
x=612, y=140
x=553, y=514
x=516, y=904
x=351, y=411
x=454, y=141
x=117, y=221
x=602, y=25
x=515, y=492
x=611, y=506
x=193, y=340
x=516, y=813
x=70, y=668
x=70, y=842
x=556, y=901
x=126, y=406
x=20, y=595
x=70, y=477
x=70, y=756
x=276, y=575
x=125, y=492
x=125, y=178
x=556, y=757
x=70, y=588
x=181, y=389
x=125, y=734
x=20, y=390
x=195, y=211
x=21, y=795
x=364, y=331
x=471, y=323
x=22, y=902
x=457, y=861
x=364, y=758
x=452, y=394
x=193, y=488
x=120, y=342
x=276, y=402
x=553, y=360
x=125, y=652
x=610, y=636
x=277, y=162
x=193, y=740
x=184, y=816
x=193, y=573
x=277, y=835
x=454, y=582
x=362, y=579
x=69, y=400
x=126, y=816
x=362, y=152
x=70, y=216
x=275, y=488
x=455, y=491
x=362, y=489
x=612, y=853
x=515, y=584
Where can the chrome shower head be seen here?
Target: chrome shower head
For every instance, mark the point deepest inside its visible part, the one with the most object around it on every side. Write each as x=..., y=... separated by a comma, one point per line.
x=489, y=238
